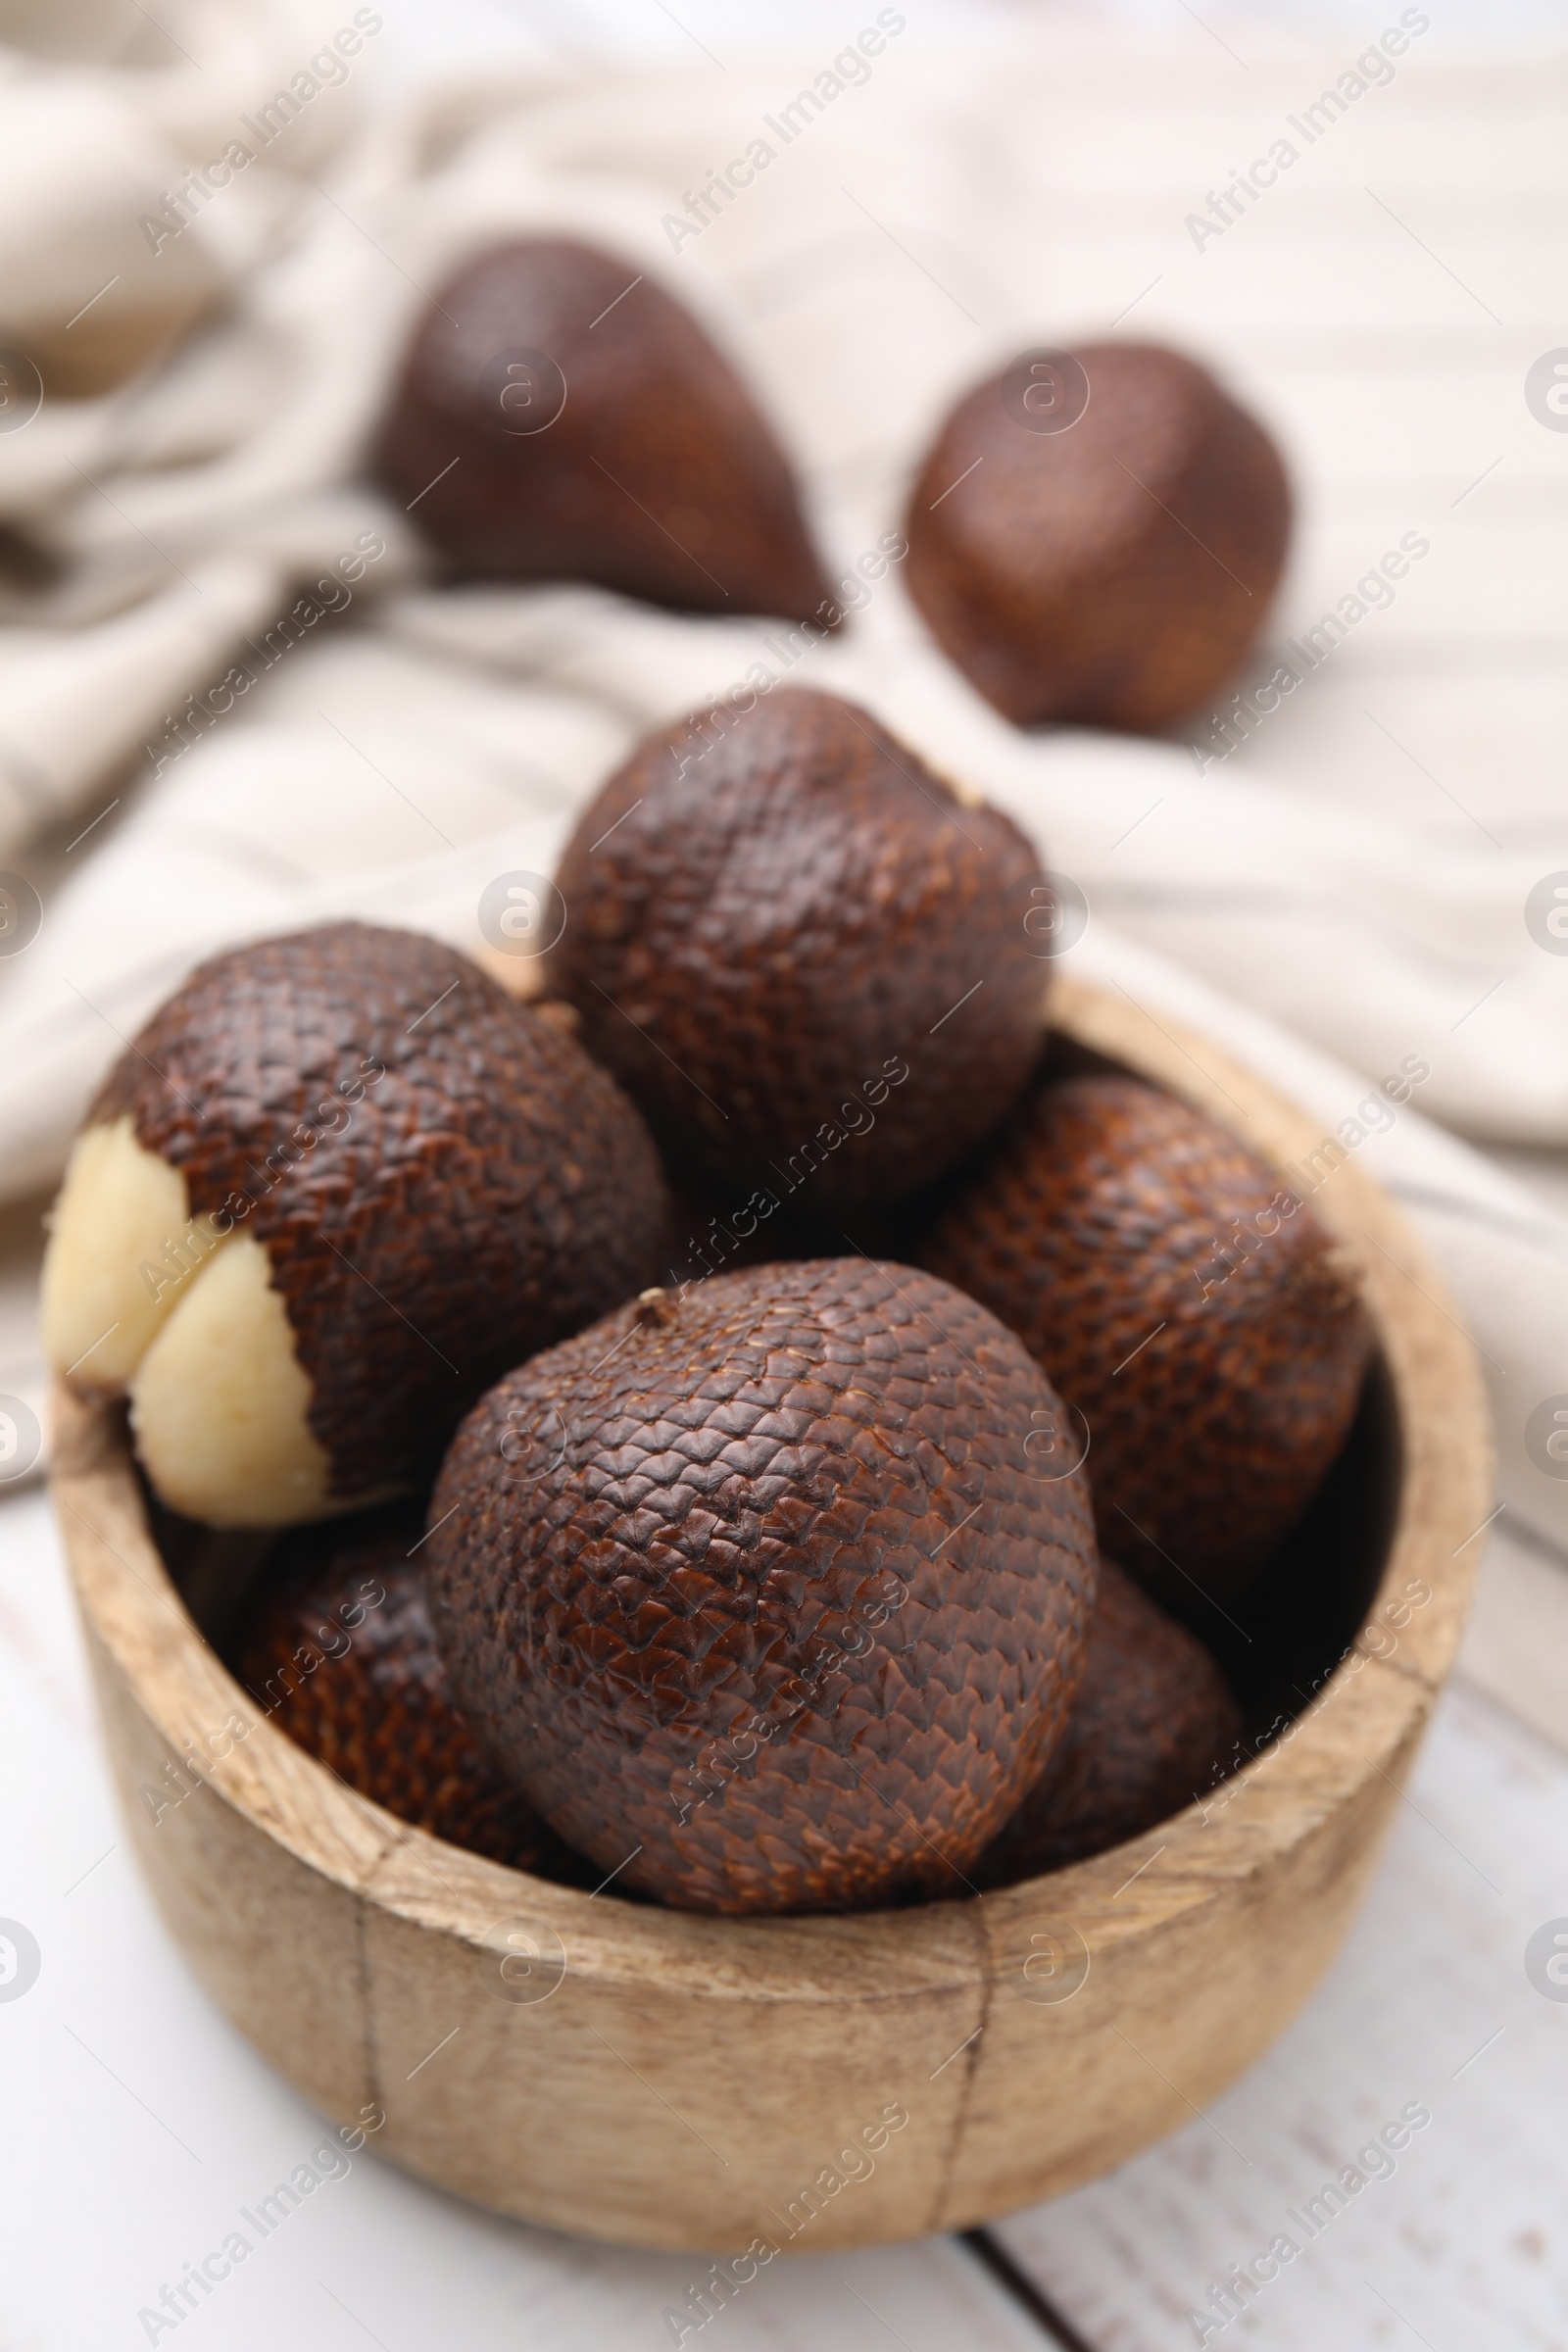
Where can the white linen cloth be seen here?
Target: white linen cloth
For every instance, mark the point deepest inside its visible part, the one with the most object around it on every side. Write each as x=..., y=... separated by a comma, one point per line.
x=1345, y=889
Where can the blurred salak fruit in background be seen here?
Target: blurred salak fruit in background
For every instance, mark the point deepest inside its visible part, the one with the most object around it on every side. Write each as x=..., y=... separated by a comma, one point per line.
x=1095, y=536
x=559, y=416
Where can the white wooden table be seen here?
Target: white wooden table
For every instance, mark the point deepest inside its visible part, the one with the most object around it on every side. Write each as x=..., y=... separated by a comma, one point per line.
x=137, y=2123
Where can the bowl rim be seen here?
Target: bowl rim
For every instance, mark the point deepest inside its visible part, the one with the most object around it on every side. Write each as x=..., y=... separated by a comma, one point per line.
x=1283, y=1796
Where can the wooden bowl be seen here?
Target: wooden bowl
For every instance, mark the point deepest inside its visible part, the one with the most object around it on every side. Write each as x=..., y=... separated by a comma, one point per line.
x=673, y=2080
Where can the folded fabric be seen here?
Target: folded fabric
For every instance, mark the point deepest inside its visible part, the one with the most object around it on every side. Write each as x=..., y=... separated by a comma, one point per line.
x=223, y=294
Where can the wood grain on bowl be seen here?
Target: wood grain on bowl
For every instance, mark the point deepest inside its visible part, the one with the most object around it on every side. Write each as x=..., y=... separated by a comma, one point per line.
x=676, y=2081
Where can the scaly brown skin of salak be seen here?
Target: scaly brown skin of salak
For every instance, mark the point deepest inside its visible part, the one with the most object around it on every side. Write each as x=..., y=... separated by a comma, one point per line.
x=338, y=1650
x=1112, y=574
x=802, y=954
x=1154, y=1726
x=758, y=1592
x=1179, y=1296
x=443, y=1179
x=660, y=476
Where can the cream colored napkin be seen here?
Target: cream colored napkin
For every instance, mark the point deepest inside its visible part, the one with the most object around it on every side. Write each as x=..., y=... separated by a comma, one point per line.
x=1357, y=867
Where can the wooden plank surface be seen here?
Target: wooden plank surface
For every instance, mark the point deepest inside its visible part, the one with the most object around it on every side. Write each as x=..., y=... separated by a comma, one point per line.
x=1466, y=2243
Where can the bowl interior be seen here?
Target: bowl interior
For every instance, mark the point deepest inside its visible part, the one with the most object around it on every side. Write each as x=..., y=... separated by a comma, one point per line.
x=1277, y=1644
